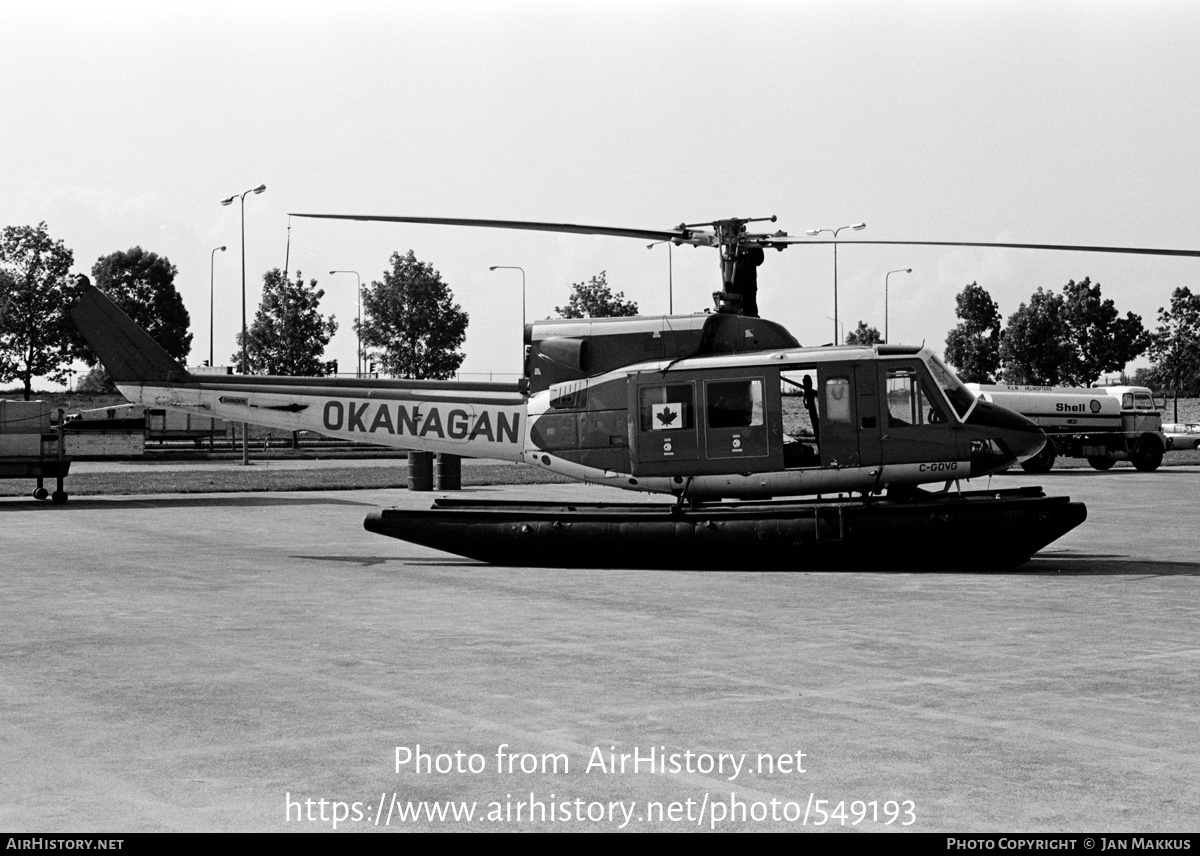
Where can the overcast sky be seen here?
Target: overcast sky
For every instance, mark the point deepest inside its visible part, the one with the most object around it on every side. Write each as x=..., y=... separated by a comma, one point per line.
x=125, y=124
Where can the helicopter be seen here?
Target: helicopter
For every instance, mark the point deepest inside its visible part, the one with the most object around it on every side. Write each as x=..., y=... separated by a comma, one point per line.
x=688, y=406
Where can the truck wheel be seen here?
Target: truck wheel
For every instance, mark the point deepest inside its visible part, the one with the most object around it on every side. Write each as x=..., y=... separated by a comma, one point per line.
x=58, y=497
x=1147, y=457
x=1101, y=463
x=1042, y=461
x=40, y=493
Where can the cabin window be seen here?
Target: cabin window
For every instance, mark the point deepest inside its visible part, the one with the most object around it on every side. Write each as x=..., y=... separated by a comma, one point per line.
x=1143, y=401
x=735, y=403
x=799, y=391
x=837, y=399
x=909, y=401
x=666, y=408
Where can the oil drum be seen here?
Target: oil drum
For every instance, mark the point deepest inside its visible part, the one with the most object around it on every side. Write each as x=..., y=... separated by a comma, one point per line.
x=420, y=470
x=447, y=473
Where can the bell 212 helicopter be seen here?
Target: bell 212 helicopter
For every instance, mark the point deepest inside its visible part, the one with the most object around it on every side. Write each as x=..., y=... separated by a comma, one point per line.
x=690, y=406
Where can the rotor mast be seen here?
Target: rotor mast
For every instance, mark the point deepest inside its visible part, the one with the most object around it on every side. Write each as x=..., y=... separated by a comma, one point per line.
x=730, y=237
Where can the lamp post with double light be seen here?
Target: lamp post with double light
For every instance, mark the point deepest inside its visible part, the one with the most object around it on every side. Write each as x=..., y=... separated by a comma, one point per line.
x=814, y=232
x=245, y=362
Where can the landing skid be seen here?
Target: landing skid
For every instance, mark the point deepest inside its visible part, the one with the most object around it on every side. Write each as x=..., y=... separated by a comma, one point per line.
x=970, y=531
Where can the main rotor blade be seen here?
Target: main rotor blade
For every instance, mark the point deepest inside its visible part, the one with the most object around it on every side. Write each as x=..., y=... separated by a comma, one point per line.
x=1078, y=248
x=685, y=236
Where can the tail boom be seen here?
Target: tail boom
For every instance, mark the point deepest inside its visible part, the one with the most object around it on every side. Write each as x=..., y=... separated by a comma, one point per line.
x=438, y=417
x=472, y=419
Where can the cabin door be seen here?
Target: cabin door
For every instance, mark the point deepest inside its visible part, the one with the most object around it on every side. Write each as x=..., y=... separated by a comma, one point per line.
x=848, y=402
x=706, y=423
x=741, y=422
x=838, y=422
x=663, y=425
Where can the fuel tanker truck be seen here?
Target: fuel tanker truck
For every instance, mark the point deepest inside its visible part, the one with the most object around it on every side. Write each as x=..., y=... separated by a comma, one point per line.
x=1102, y=424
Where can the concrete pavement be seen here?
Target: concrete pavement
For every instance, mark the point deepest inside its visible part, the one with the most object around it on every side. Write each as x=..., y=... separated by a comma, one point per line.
x=227, y=662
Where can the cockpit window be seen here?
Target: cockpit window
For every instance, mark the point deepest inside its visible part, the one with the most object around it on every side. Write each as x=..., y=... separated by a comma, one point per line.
x=910, y=401
x=961, y=398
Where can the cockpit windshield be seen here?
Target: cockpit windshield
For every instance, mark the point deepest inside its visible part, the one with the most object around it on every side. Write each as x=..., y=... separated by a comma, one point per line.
x=961, y=398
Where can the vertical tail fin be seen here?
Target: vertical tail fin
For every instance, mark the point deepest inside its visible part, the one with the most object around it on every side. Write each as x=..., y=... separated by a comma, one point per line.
x=125, y=349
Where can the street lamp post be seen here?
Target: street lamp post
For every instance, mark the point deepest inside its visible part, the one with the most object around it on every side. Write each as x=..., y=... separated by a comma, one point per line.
x=358, y=279
x=211, y=262
x=836, y=326
x=814, y=232
x=885, y=300
x=670, y=276
x=522, y=270
x=245, y=361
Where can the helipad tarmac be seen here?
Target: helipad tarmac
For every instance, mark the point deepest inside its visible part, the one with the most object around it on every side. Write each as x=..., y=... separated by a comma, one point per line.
x=260, y=662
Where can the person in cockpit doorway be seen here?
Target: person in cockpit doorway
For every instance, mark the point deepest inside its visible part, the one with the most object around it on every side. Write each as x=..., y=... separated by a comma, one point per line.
x=810, y=404
x=745, y=279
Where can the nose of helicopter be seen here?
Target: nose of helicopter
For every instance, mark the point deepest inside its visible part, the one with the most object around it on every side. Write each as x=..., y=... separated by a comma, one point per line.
x=1001, y=438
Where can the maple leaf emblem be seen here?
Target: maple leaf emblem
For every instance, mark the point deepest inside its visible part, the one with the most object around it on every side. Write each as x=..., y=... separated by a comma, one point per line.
x=667, y=416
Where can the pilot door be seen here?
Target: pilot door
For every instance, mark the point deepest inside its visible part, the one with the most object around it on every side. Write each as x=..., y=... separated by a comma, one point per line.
x=693, y=423
x=915, y=421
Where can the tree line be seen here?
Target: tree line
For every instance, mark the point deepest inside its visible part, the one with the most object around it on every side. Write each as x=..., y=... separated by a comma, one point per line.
x=1068, y=338
x=37, y=337
x=411, y=317
x=1073, y=338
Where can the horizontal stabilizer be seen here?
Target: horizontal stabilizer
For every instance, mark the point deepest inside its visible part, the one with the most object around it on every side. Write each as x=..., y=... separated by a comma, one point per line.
x=125, y=349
